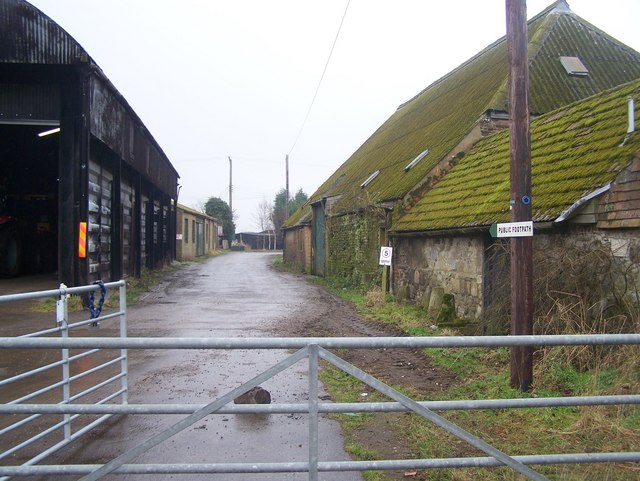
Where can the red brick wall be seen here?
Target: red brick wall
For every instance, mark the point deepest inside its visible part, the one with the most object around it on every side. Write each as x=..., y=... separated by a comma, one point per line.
x=297, y=247
x=620, y=207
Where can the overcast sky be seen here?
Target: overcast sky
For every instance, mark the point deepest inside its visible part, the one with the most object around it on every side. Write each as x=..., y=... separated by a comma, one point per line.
x=213, y=79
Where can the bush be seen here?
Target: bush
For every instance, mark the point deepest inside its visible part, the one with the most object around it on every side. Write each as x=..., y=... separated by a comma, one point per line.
x=578, y=289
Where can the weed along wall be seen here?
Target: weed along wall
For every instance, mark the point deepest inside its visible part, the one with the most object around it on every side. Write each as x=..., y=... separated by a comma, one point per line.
x=354, y=248
x=427, y=268
x=599, y=268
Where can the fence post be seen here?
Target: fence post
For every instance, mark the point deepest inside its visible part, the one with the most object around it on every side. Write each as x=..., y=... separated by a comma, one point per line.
x=124, y=368
x=62, y=317
x=313, y=412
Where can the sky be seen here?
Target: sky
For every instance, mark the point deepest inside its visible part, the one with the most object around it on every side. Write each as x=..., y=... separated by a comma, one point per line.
x=246, y=79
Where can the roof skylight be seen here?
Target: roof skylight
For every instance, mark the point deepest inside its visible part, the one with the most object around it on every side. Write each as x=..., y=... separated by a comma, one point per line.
x=574, y=66
x=369, y=179
x=420, y=156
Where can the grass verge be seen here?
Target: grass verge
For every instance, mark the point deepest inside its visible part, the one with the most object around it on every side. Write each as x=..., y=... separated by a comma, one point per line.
x=484, y=374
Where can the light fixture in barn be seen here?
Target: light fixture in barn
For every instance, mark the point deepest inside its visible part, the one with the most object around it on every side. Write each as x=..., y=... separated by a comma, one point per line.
x=49, y=132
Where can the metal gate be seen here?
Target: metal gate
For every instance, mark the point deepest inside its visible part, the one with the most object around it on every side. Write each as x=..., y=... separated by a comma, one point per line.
x=53, y=433
x=312, y=349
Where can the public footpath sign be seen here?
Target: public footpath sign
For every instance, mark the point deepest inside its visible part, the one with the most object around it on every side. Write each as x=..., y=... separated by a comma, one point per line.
x=512, y=229
x=385, y=255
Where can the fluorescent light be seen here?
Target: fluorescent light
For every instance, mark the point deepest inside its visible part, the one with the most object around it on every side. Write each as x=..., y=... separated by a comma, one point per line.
x=49, y=132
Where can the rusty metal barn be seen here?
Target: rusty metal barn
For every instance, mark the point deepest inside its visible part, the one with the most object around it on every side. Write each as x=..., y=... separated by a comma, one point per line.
x=74, y=156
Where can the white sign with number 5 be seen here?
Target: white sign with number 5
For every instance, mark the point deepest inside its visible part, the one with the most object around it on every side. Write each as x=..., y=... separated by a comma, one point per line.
x=385, y=255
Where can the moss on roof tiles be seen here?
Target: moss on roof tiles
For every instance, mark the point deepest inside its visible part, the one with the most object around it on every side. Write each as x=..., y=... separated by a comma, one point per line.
x=608, y=61
x=301, y=216
x=567, y=163
x=443, y=114
x=436, y=120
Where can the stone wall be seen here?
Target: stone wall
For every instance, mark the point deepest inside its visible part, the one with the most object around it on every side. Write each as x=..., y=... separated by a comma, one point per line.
x=621, y=246
x=354, y=248
x=474, y=269
x=426, y=267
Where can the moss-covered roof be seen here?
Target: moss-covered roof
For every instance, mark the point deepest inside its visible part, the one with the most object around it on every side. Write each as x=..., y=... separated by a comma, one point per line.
x=440, y=116
x=574, y=151
x=300, y=217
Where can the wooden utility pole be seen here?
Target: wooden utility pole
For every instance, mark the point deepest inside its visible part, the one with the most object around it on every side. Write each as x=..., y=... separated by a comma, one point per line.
x=286, y=189
x=520, y=191
x=230, y=185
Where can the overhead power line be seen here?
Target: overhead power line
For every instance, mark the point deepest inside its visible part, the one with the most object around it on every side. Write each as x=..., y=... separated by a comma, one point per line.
x=335, y=40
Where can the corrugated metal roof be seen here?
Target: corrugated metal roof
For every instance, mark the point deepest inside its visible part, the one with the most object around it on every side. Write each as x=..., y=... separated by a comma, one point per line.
x=440, y=116
x=574, y=151
x=28, y=36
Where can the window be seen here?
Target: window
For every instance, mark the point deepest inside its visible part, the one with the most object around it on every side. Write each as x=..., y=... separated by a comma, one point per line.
x=574, y=66
x=420, y=156
x=186, y=231
x=193, y=230
x=369, y=179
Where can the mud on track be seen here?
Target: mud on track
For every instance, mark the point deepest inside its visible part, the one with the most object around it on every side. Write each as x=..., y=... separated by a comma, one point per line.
x=384, y=433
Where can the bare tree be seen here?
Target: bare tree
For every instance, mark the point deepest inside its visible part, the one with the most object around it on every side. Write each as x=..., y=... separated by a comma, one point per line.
x=264, y=219
x=200, y=206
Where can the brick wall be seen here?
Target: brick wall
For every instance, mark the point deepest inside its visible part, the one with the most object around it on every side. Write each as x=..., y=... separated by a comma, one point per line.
x=297, y=247
x=620, y=207
x=186, y=229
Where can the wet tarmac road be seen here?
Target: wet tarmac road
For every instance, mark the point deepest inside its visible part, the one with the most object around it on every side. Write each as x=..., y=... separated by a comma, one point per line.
x=234, y=295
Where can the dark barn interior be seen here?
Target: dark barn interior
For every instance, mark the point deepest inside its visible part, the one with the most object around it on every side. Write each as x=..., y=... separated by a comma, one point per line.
x=28, y=199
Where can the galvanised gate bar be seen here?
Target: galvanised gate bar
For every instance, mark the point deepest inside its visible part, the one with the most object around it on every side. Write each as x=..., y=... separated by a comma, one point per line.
x=107, y=370
x=311, y=349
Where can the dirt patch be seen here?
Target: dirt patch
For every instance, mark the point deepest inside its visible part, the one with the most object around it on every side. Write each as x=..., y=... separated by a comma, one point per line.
x=329, y=316
x=385, y=433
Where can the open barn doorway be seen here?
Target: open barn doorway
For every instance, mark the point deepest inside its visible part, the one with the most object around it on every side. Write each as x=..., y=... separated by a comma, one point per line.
x=28, y=199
